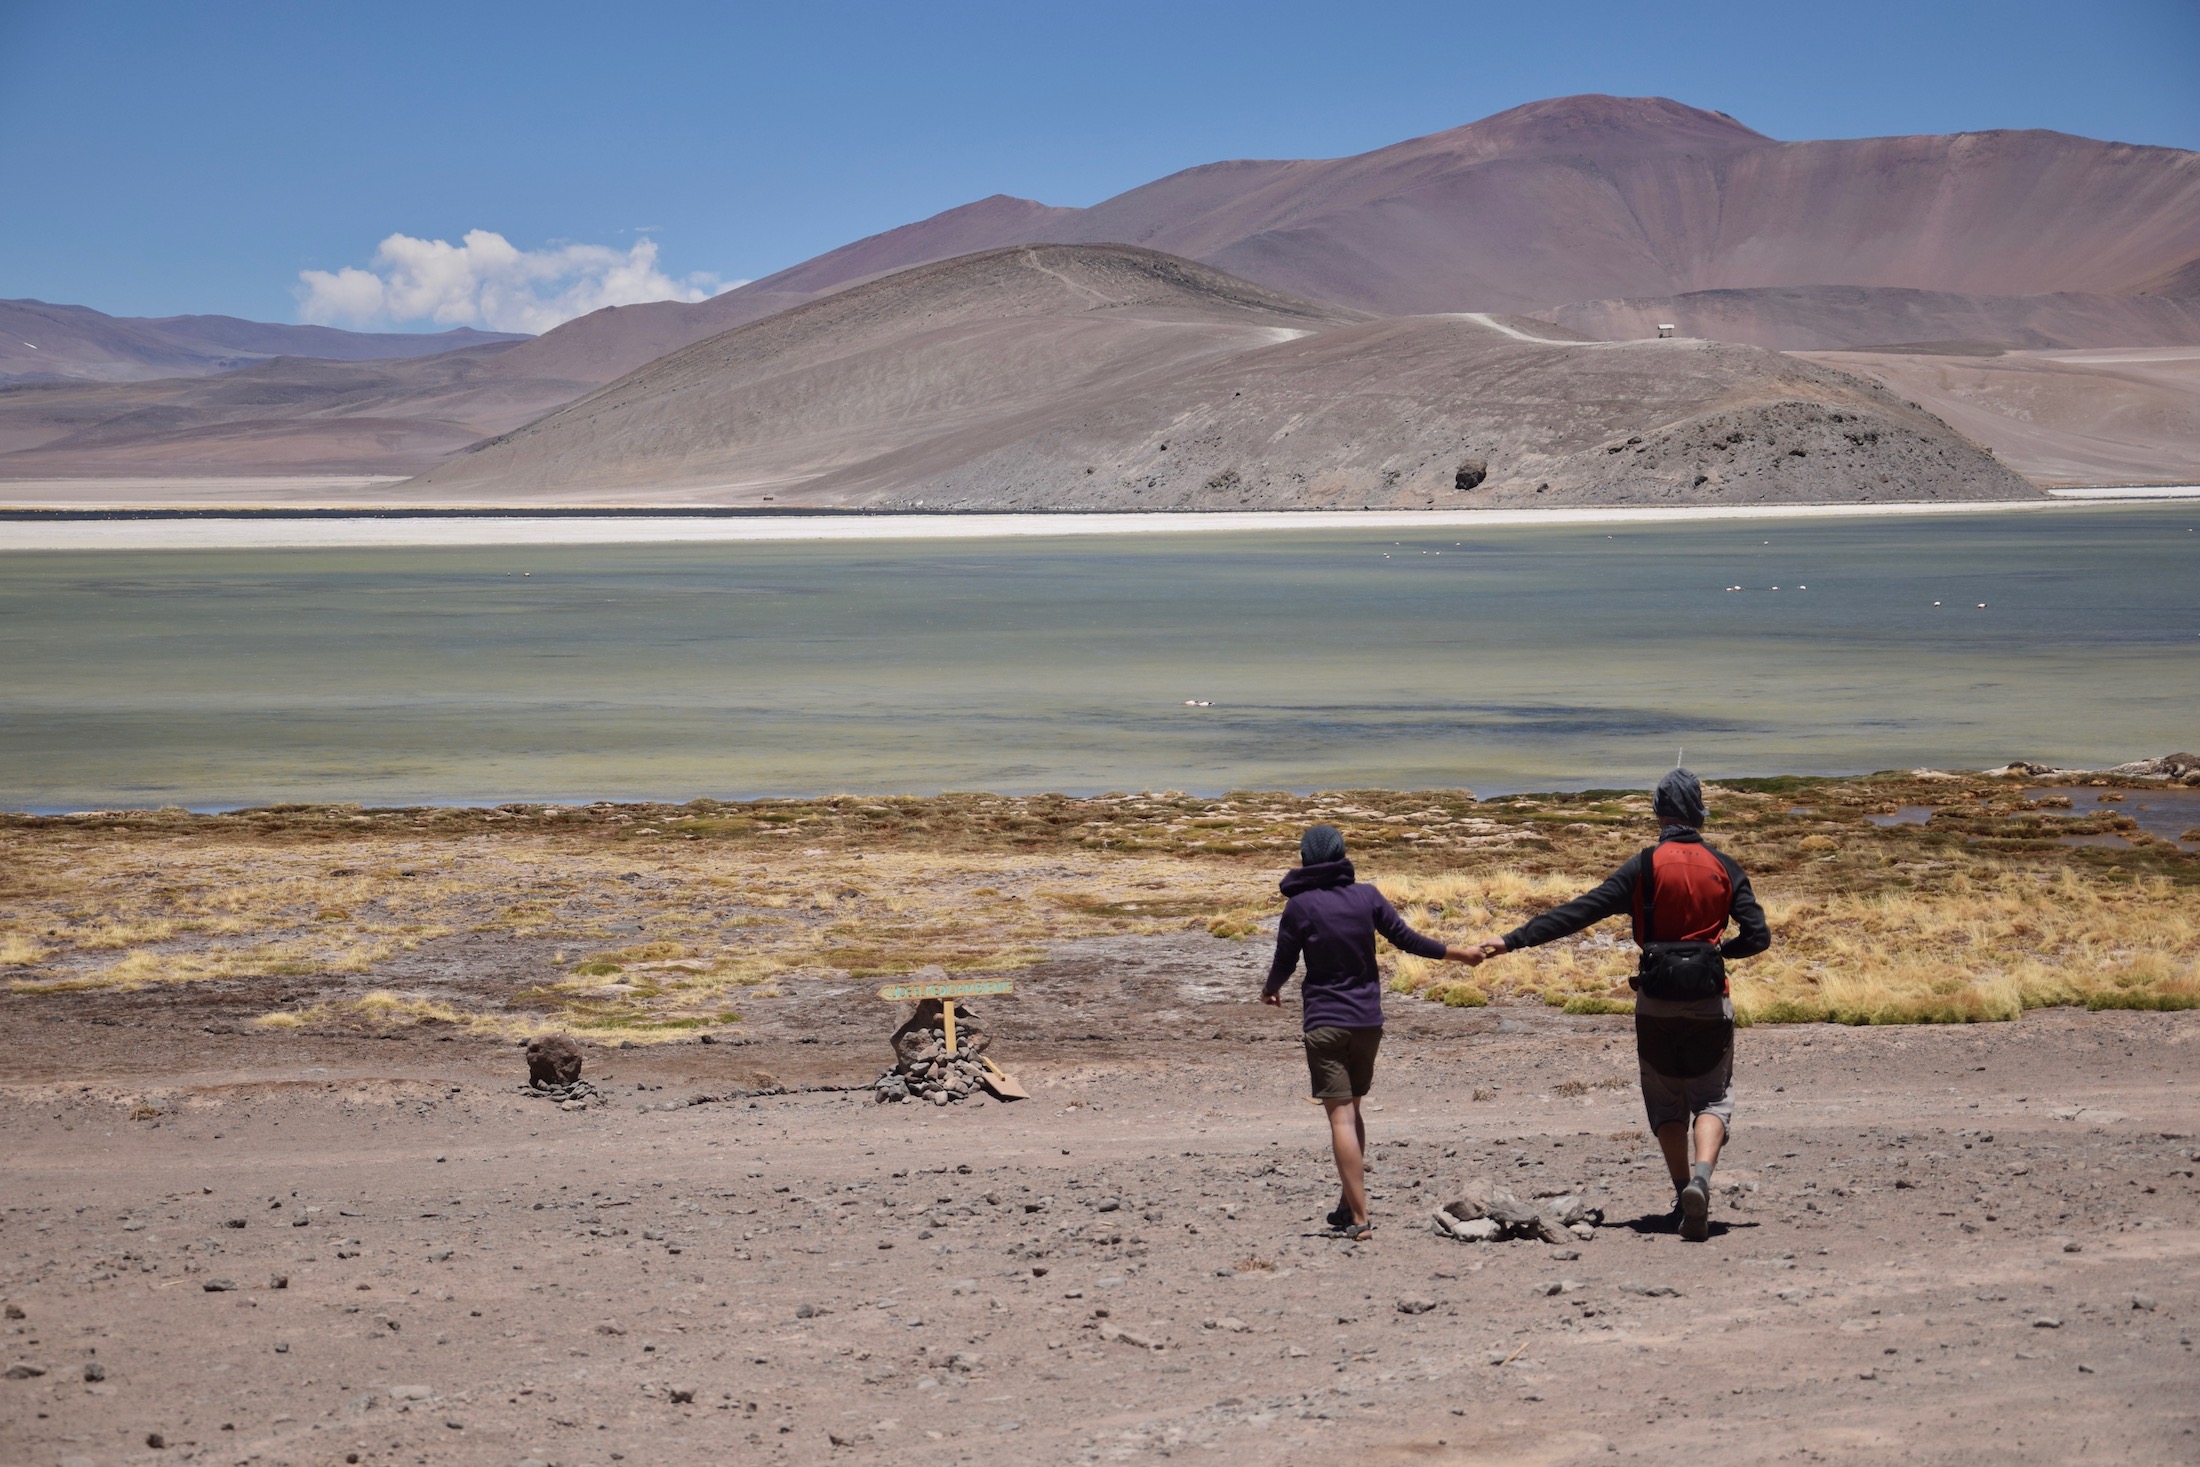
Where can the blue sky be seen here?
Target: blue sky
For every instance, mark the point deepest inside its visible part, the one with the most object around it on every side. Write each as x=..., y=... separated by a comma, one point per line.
x=160, y=158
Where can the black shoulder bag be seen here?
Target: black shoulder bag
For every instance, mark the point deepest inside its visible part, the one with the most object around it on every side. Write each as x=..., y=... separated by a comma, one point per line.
x=1679, y=971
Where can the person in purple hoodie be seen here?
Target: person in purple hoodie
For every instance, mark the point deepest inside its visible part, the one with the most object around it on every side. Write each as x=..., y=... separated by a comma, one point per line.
x=1331, y=920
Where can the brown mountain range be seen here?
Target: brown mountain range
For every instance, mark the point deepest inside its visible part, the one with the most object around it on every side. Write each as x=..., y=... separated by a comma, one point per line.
x=44, y=342
x=1605, y=215
x=1550, y=207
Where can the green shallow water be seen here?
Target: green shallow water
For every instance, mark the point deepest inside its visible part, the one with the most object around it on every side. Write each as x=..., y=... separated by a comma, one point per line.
x=1519, y=659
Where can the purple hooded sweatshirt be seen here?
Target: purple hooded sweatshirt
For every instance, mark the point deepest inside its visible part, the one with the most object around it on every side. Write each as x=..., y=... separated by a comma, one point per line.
x=1333, y=921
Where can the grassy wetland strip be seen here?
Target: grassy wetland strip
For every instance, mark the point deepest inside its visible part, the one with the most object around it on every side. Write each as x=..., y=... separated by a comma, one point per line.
x=655, y=921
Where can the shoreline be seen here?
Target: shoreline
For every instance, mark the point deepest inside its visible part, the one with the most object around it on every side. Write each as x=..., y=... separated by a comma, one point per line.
x=217, y=527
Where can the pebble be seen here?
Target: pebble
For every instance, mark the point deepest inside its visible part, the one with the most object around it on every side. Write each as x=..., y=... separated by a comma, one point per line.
x=218, y=1286
x=93, y=1370
x=1415, y=1306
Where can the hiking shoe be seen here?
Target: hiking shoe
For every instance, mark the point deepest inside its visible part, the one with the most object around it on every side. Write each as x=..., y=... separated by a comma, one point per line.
x=1695, y=1211
x=1340, y=1217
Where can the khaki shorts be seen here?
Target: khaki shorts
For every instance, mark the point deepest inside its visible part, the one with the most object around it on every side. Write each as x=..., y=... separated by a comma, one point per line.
x=1341, y=1062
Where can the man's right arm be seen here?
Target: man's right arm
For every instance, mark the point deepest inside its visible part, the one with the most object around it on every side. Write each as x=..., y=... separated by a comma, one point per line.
x=1614, y=895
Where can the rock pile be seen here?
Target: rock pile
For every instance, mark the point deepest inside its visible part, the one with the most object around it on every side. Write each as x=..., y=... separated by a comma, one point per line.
x=924, y=1070
x=554, y=1073
x=552, y=1060
x=1486, y=1213
x=579, y=1095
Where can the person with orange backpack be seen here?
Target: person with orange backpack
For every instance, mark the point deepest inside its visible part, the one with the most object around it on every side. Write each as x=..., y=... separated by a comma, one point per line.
x=1681, y=893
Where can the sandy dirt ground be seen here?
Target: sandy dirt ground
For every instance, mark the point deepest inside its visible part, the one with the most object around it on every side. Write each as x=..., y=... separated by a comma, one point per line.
x=1948, y=1244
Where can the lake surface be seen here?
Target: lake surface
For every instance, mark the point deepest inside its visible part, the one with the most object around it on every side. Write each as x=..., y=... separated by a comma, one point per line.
x=1495, y=659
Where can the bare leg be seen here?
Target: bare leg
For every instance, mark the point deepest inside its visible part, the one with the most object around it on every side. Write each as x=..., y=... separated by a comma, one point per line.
x=1673, y=1141
x=1348, y=1139
x=1359, y=1131
x=1710, y=1138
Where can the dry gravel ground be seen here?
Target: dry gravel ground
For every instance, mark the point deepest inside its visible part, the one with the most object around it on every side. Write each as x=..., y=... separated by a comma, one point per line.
x=1953, y=1244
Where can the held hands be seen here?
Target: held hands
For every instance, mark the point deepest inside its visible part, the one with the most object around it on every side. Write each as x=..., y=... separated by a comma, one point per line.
x=1474, y=954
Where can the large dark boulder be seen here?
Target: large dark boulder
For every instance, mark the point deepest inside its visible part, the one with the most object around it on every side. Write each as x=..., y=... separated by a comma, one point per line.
x=552, y=1061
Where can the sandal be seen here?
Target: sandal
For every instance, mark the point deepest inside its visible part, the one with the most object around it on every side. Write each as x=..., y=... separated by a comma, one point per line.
x=1358, y=1232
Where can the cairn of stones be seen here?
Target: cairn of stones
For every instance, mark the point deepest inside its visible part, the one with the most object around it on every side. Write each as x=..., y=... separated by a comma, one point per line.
x=924, y=1072
x=554, y=1073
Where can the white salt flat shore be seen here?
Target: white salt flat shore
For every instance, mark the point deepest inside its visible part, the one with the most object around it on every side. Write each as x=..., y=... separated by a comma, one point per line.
x=625, y=527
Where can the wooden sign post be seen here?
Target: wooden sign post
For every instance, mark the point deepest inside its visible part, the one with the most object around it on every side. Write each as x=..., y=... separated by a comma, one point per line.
x=947, y=991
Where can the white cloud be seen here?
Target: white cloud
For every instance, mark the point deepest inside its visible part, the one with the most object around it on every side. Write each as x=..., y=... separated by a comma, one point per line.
x=488, y=282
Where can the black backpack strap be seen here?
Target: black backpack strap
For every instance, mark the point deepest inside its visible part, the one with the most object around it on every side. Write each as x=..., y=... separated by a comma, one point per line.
x=1649, y=880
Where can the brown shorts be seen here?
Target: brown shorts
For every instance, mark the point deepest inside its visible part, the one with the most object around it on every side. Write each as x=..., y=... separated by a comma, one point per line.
x=1341, y=1062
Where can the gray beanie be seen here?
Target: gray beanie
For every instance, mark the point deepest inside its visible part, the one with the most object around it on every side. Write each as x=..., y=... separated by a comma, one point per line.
x=1680, y=797
x=1321, y=845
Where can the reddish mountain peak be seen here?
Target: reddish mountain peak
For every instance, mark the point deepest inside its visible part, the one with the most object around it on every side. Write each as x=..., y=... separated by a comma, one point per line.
x=1597, y=121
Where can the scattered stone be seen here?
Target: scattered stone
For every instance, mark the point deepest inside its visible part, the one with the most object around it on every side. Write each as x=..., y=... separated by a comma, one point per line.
x=12, y=1311
x=1484, y=1212
x=219, y=1286
x=553, y=1062
x=2143, y=1301
x=681, y=1395
x=278, y=1280
x=1651, y=1291
x=156, y=1441
x=235, y=1222
x=24, y=1371
x=1229, y=1324
x=2073, y=1247
x=2046, y=1321
x=1415, y=1306
x=410, y=1393
x=93, y=1370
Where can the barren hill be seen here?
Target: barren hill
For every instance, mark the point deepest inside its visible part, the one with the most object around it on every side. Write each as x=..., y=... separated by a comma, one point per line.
x=42, y=342
x=1113, y=377
x=293, y=415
